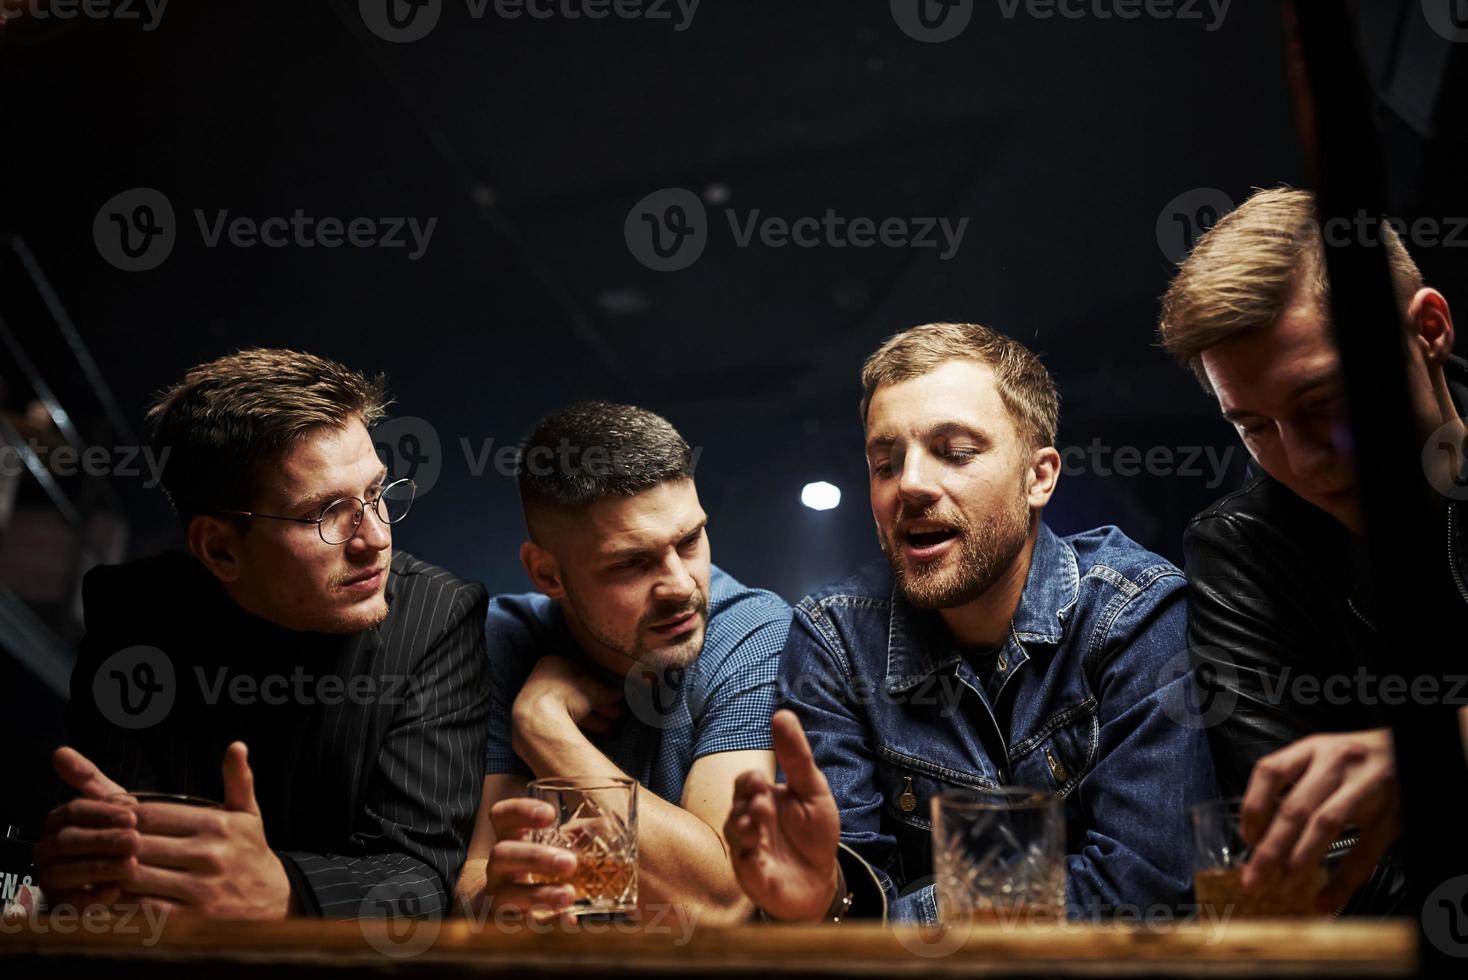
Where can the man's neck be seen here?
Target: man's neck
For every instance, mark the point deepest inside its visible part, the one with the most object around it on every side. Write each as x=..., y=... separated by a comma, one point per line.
x=594, y=652
x=985, y=621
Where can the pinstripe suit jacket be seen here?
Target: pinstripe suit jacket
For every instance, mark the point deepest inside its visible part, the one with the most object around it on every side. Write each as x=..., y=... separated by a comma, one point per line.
x=366, y=749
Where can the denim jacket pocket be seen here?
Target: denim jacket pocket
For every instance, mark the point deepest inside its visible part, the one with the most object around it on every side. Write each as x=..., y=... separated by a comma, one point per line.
x=909, y=787
x=1057, y=756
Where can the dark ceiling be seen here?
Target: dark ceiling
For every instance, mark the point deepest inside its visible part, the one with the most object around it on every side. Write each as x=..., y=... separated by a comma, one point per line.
x=1065, y=144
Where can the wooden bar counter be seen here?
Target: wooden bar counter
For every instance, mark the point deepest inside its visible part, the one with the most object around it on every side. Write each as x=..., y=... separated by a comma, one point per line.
x=195, y=948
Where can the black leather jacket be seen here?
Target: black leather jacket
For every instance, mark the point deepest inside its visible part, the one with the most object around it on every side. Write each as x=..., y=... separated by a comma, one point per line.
x=1279, y=632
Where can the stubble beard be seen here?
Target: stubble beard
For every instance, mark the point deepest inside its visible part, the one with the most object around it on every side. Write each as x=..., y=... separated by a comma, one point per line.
x=985, y=551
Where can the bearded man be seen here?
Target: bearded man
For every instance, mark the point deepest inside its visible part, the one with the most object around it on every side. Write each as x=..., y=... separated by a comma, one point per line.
x=636, y=658
x=984, y=651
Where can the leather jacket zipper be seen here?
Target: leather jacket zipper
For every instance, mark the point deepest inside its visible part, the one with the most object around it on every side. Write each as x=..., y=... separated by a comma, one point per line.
x=1453, y=555
x=1453, y=569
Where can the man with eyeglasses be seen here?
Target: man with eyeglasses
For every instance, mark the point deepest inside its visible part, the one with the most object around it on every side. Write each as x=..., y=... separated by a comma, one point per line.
x=328, y=694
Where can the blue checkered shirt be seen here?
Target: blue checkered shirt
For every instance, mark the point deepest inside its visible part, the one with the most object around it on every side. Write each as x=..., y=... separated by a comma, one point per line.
x=720, y=703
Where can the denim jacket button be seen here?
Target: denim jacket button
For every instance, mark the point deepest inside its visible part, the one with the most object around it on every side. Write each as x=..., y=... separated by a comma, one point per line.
x=907, y=801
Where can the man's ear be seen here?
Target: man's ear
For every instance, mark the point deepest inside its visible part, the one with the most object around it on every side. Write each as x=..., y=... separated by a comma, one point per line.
x=1433, y=323
x=1044, y=474
x=544, y=571
x=215, y=541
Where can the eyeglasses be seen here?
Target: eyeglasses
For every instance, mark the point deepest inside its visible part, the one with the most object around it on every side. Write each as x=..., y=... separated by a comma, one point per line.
x=340, y=519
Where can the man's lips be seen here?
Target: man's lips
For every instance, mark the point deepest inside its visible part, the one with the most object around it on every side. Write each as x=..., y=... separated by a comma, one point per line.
x=926, y=540
x=366, y=581
x=682, y=623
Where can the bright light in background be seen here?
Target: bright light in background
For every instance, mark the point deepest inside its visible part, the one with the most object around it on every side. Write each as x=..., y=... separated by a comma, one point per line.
x=820, y=495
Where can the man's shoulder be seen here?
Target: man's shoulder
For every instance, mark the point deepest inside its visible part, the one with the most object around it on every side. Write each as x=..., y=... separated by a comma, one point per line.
x=525, y=623
x=746, y=626
x=741, y=605
x=1108, y=554
x=1261, y=518
x=867, y=586
x=146, y=587
x=412, y=576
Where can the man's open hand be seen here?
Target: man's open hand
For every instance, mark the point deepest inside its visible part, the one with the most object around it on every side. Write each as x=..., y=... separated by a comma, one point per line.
x=783, y=838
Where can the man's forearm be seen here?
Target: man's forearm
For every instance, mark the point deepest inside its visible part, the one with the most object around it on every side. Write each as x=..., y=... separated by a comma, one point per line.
x=681, y=859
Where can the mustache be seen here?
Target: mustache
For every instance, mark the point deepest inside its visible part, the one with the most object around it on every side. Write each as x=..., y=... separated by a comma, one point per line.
x=906, y=518
x=697, y=603
x=357, y=573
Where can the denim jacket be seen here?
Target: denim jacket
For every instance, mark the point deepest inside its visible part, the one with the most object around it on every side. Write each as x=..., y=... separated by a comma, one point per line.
x=1089, y=698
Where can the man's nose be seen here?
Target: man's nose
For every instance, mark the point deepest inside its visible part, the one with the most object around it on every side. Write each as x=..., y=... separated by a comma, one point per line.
x=915, y=484
x=675, y=583
x=1311, y=450
x=373, y=534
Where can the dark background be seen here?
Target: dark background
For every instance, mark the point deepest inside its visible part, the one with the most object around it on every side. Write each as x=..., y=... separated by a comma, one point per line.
x=1066, y=144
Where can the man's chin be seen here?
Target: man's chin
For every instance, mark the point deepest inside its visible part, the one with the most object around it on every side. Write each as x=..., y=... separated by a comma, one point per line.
x=677, y=652
x=359, y=616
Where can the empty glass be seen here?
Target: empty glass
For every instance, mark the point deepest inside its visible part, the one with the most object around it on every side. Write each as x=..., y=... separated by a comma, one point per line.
x=999, y=855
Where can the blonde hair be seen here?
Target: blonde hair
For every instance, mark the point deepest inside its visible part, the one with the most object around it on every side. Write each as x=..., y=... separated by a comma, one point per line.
x=1246, y=269
x=1025, y=387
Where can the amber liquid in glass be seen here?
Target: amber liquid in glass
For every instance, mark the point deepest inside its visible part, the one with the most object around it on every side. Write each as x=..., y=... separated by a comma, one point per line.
x=597, y=878
x=1221, y=889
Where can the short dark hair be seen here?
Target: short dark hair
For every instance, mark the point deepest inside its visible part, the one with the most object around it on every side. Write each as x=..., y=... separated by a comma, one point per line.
x=229, y=418
x=593, y=450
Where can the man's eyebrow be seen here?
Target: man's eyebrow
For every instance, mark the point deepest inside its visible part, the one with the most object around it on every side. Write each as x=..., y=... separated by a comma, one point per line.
x=880, y=442
x=959, y=429
x=1323, y=380
x=1307, y=386
x=949, y=428
x=316, y=500
x=636, y=551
